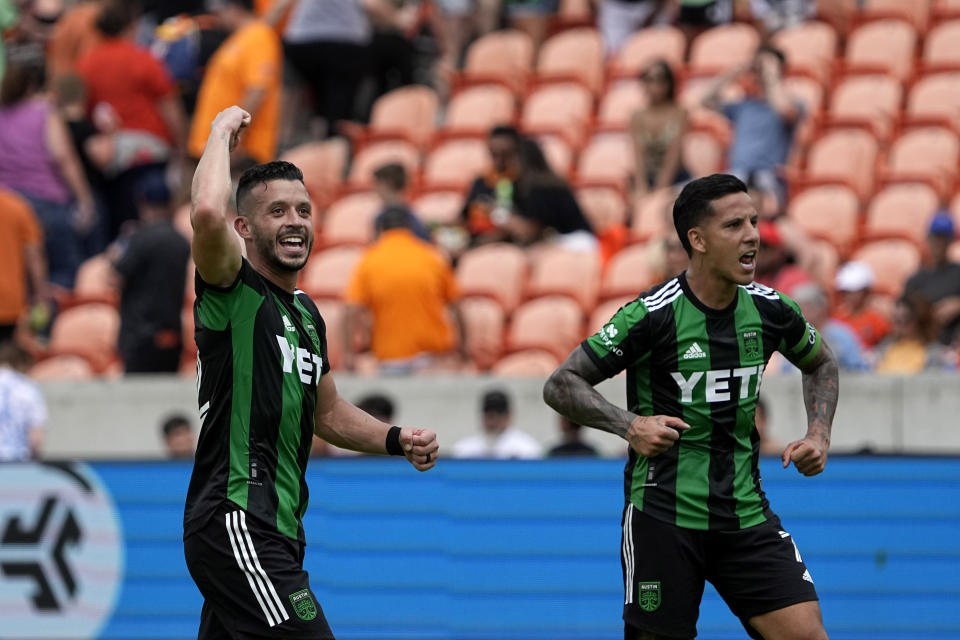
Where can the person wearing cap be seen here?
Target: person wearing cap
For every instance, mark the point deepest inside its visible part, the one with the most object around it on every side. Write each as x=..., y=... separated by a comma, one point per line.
x=498, y=439
x=939, y=283
x=853, y=285
x=775, y=264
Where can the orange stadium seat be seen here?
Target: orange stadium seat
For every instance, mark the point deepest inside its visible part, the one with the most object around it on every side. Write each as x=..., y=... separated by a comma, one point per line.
x=846, y=156
x=559, y=154
x=328, y=272
x=559, y=109
x=333, y=313
x=95, y=281
x=935, y=100
x=485, y=323
x=618, y=105
x=497, y=271
x=574, y=55
x=476, y=110
x=323, y=164
x=407, y=113
x=883, y=46
x=870, y=101
x=928, y=154
x=830, y=213
x=607, y=161
x=628, y=273
x=439, y=207
x=917, y=12
x=551, y=323
x=575, y=274
x=901, y=211
x=602, y=206
x=810, y=93
x=823, y=262
x=692, y=93
x=573, y=13
x=504, y=57
x=940, y=51
x=66, y=367
x=892, y=261
x=955, y=209
x=529, y=363
x=653, y=215
x=377, y=154
x=349, y=220
x=722, y=48
x=945, y=9
x=454, y=164
x=647, y=45
x=88, y=331
x=604, y=311
x=810, y=49
x=702, y=154
x=838, y=13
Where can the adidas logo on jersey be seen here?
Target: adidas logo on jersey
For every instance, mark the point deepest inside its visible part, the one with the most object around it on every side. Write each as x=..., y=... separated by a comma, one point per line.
x=694, y=352
x=288, y=325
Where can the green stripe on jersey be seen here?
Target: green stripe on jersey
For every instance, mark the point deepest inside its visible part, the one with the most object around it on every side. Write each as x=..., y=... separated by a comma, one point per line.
x=288, y=438
x=749, y=328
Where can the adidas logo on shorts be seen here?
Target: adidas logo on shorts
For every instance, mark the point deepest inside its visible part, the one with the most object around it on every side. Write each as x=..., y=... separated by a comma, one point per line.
x=694, y=352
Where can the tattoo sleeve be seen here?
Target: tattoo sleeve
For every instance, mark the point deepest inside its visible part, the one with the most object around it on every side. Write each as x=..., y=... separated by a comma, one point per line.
x=569, y=391
x=821, y=388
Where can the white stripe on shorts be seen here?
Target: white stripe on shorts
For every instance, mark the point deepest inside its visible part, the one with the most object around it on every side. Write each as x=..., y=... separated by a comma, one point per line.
x=256, y=577
x=627, y=550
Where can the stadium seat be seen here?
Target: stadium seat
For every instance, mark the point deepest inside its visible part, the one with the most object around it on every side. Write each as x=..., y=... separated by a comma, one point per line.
x=652, y=215
x=892, y=261
x=377, y=154
x=883, y=46
x=935, y=101
x=628, y=274
x=940, y=51
x=810, y=92
x=691, y=96
x=529, y=363
x=439, y=207
x=845, y=156
x=869, y=101
x=810, y=48
x=497, y=271
x=485, y=323
x=62, y=368
x=644, y=47
x=916, y=12
x=474, y=111
x=322, y=164
x=560, y=109
x=722, y=48
x=407, y=113
x=572, y=14
x=839, y=14
x=928, y=154
x=575, y=274
x=618, y=105
x=607, y=161
x=830, y=213
x=823, y=262
x=559, y=154
x=702, y=154
x=575, y=55
x=602, y=206
x=504, y=57
x=454, y=164
x=901, y=211
x=333, y=313
x=95, y=281
x=349, y=220
x=88, y=331
x=945, y=10
x=328, y=272
x=604, y=311
x=551, y=323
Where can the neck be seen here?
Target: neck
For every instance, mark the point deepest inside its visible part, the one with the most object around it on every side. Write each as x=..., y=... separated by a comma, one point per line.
x=286, y=280
x=711, y=290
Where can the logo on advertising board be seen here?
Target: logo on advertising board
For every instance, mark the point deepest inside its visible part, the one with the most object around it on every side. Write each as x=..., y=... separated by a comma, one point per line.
x=61, y=551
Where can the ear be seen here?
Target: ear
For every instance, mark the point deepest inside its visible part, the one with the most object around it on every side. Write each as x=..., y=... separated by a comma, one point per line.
x=697, y=240
x=241, y=224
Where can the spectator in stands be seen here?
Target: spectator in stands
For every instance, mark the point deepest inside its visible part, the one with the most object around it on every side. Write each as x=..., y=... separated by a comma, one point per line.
x=912, y=345
x=179, y=441
x=492, y=194
x=37, y=160
x=696, y=16
x=408, y=287
x=775, y=261
x=843, y=340
x=391, y=51
x=763, y=121
x=545, y=207
x=152, y=267
x=23, y=270
x=940, y=281
x=853, y=284
x=74, y=34
x=246, y=71
x=571, y=445
x=498, y=439
x=390, y=183
x=657, y=132
x=23, y=413
x=618, y=19
x=775, y=15
x=531, y=17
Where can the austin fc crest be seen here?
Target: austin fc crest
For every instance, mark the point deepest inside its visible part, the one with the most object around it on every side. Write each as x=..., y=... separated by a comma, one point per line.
x=303, y=604
x=649, y=595
x=751, y=344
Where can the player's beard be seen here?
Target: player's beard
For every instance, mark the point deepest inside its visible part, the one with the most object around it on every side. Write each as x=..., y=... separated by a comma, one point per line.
x=268, y=248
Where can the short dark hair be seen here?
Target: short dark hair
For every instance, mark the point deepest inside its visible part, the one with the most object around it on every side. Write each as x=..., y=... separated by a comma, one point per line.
x=115, y=18
x=664, y=66
x=262, y=174
x=393, y=174
x=394, y=217
x=495, y=401
x=377, y=405
x=694, y=202
x=505, y=131
x=25, y=73
x=174, y=422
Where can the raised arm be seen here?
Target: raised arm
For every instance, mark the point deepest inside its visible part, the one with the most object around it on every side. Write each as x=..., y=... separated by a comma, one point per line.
x=821, y=388
x=216, y=250
x=570, y=392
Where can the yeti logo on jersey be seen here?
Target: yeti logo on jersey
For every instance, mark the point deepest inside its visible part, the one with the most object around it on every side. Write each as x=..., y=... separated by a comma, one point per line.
x=308, y=365
x=303, y=604
x=716, y=383
x=649, y=595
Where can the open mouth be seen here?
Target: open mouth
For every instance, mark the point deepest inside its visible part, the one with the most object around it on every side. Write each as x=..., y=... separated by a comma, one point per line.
x=748, y=260
x=293, y=243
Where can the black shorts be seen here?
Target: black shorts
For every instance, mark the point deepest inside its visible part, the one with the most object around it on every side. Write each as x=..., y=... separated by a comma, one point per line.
x=755, y=570
x=710, y=14
x=252, y=581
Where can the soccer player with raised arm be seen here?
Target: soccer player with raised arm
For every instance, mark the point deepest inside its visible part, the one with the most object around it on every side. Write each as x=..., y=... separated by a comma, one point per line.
x=694, y=349
x=264, y=389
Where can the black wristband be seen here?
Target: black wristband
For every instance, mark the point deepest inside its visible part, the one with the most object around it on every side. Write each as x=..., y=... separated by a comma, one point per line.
x=393, y=442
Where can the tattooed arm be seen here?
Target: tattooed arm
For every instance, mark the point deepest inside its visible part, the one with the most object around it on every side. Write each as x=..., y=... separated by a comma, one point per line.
x=570, y=392
x=821, y=387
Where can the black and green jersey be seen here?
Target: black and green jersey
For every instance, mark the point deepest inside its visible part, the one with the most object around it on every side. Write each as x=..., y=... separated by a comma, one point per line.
x=261, y=353
x=703, y=365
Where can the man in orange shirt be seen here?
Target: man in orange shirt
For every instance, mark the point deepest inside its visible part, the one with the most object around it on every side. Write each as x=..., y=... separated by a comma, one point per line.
x=245, y=71
x=74, y=34
x=21, y=259
x=407, y=286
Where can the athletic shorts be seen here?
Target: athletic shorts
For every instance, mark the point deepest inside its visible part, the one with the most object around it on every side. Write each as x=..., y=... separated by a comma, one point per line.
x=252, y=581
x=755, y=570
x=710, y=14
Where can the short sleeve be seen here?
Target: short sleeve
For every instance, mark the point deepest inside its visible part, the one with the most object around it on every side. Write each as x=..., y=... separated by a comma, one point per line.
x=357, y=290
x=36, y=409
x=800, y=342
x=321, y=329
x=621, y=341
x=217, y=306
x=30, y=233
x=730, y=110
